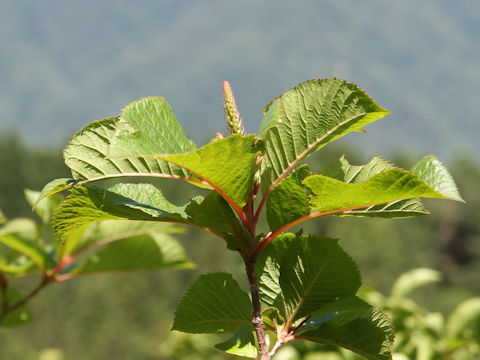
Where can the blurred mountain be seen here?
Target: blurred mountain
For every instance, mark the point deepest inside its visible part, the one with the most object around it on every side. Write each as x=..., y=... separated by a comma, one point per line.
x=64, y=64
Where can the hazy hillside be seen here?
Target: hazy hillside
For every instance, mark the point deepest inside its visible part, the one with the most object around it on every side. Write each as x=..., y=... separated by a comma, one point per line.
x=63, y=64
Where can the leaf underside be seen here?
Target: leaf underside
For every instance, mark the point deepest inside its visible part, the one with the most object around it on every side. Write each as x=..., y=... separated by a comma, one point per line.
x=306, y=118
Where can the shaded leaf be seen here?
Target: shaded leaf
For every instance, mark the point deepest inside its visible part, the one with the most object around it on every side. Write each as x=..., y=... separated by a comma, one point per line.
x=288, y=200
x=267, y=268
x=19, y=316
x=228, y=165
x=306, y=118
x=314, y=272
x=214, y=213
x=354, y=325
x=241, y=344
x=300, y=273
x=3, y=219
x=213, y=304
x=104, y=232
x=140, y=252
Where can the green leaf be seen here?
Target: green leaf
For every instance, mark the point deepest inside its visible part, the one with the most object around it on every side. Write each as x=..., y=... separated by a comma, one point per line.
x=54, y=187
x=140, y=252
x=267, y=269
x=462, y=317
x=87, y=155
x=308, y=117
x=386, y=187
x=343, y=171
x=433, y=173
x=354, y=325
x=214, y=213
x=3, y=219
x=88, y=204
x=21, y=238
x=288, y=201
x=414, y=279
x=213, y=304
x=241, y=344
x=300, y=273
x=28, y=247
x=19, y=316
x=228, y=165
x=45, y=207
x=314, y=272
x=104, y=232
x=149, y=127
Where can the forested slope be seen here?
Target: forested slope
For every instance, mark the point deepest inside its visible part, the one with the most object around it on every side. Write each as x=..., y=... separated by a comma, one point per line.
x=64, y=64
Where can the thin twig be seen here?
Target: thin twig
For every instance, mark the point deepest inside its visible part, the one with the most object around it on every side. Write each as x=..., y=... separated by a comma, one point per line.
x=45, y=281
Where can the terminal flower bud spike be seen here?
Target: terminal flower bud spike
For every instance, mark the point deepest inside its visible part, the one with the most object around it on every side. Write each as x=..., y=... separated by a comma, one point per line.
x=232, y=116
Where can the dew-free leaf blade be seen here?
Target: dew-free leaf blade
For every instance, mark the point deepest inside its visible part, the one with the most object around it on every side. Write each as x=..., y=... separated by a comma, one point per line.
x=288, y=200
x=433, y=173
x=89, y=157
x=88, y=204
x=54, y=187
x=354, y=325
x=228, y=165
x=214, y=213
x=308, y=117
x=213, y=304
x=242, y=343
x=386, y=187
x=139, y=252
x=101, y=233
x=343, y=171
x=45, y=207
x=148, y=127
x=315, y=271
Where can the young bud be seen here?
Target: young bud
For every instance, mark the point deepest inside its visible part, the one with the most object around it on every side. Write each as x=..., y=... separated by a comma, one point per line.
x=232, y=116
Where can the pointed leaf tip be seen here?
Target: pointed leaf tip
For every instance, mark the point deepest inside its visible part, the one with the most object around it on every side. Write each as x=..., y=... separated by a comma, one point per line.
x=308, y=117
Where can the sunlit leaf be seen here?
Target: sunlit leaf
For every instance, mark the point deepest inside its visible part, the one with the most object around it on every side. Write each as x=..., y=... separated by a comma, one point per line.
x=308, y=117
x=240, y=344
x=228, y=165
